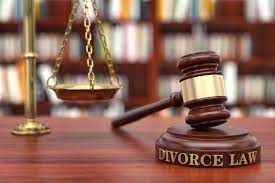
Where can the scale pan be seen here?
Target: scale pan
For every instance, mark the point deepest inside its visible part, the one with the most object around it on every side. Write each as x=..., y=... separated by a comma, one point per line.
x=83, y=92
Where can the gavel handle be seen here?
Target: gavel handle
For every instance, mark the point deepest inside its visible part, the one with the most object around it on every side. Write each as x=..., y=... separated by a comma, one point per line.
x=174, y=100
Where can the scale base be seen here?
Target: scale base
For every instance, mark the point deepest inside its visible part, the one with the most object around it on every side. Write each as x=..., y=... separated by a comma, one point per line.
x=217, y=147
x=31, y=127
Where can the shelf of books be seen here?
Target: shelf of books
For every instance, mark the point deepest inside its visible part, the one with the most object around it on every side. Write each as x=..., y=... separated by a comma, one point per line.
x=128, y=30
x=146, y=38
x=239, y=31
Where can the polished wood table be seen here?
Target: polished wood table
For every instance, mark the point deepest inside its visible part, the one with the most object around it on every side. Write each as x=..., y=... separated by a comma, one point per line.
x=88, y=150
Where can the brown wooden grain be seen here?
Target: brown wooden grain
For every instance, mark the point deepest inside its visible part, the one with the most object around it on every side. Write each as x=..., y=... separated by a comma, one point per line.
x=87, y=150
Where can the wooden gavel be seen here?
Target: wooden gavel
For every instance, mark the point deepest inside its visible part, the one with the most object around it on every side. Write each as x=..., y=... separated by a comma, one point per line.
x=175, y=100
x=202, y=91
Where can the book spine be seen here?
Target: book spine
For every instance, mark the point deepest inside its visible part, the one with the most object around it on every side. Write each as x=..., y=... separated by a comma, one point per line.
x=144, y=9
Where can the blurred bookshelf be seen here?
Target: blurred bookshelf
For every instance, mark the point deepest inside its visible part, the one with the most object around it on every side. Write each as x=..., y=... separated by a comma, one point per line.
x=146, y=38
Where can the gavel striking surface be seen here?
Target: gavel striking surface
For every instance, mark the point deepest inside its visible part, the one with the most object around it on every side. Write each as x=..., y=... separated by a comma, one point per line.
x=209, y=111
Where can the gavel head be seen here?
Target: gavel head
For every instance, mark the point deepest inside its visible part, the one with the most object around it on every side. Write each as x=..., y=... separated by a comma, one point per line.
x=203, y=90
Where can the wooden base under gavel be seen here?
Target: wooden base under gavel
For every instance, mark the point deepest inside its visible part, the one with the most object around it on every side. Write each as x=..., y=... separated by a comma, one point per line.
x=205, y=142
x=214, y=147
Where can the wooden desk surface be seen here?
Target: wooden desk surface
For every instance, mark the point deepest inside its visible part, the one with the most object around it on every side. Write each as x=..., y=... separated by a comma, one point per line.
x=87, y=150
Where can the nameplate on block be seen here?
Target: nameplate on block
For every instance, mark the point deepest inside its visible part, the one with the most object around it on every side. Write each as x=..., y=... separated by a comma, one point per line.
x=201, y=159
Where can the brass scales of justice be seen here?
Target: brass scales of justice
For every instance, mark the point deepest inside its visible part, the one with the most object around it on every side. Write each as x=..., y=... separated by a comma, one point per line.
x=206, y=142
x=91, y=91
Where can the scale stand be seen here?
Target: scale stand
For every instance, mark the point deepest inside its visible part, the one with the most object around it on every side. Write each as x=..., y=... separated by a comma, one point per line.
x=31, y=126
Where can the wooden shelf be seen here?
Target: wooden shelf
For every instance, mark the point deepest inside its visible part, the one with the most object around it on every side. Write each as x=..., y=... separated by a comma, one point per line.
x=232, y=26
x=41, y=26
x=115, y=22
x=218, y=25
x=168, y=68
x=257, y=67
x=211, y=26
x=57, y=25
x=175, y=27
